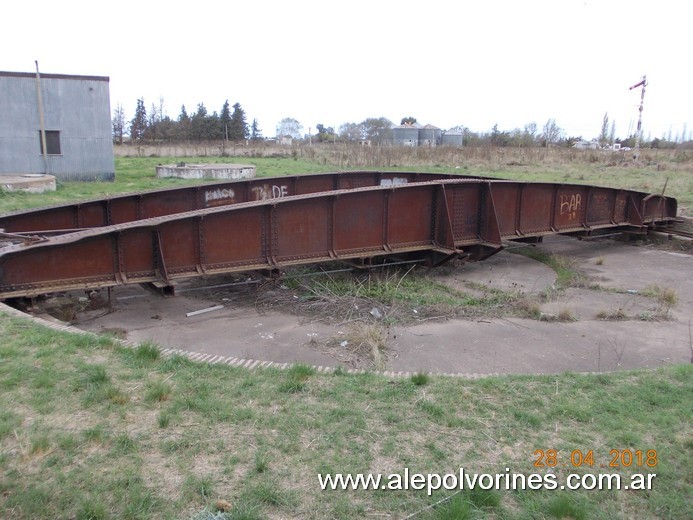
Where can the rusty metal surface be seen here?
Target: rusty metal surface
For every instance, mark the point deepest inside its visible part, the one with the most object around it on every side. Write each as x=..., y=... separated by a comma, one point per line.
x=449, y=217
x=120, y=209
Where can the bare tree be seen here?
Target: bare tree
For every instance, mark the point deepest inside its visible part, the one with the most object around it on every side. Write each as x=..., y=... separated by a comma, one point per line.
x=351, y=131
x=604, y=134
x=118, y=124
x=289, y=127
x=377, y=129
x=154, y=121
x=551, y=132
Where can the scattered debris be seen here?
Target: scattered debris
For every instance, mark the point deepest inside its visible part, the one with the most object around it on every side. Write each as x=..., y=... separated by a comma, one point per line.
x=203, y=311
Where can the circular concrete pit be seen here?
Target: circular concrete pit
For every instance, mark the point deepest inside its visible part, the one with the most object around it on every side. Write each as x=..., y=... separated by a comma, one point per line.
x=645, y=336
x=207, y=171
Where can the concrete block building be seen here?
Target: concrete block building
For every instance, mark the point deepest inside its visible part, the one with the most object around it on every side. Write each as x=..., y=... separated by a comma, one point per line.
x=74, y=112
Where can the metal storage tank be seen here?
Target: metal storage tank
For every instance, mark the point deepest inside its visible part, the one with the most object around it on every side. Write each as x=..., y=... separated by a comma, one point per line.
x=429, y=135
x=405, y=135
x=452, y=139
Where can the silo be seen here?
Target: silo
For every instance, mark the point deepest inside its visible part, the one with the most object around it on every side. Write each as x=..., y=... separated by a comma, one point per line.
x=405, y=135
x=429, y=135
x=452, y=138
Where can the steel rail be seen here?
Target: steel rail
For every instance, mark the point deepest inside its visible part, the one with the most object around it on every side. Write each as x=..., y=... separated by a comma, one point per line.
x=444, y=219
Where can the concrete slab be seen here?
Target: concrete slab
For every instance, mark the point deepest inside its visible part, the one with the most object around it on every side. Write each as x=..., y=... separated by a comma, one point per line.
x=469, y=346
x=504, y=271
x=29, y=182
x=233, y=331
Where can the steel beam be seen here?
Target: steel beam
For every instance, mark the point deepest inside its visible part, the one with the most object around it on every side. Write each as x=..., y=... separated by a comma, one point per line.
x=120, y=209
x=448, y=217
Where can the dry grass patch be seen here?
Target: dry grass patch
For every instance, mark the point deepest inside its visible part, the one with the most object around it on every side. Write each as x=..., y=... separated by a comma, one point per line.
x=564, y=315
x=665, y=297
x=361, y=345
x=611, y=315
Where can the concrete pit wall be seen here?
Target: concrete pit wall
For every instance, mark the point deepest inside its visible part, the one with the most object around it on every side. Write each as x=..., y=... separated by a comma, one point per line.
x=207, y=171
x=29, y=182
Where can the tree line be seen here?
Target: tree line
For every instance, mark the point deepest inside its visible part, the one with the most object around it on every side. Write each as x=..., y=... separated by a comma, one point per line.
x=230, y=124
x=379, y=131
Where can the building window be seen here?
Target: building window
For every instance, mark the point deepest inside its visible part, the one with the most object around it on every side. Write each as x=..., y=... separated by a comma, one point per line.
x=52, y=142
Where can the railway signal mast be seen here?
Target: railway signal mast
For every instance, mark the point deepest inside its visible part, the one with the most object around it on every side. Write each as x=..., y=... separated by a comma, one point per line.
x=638, y=136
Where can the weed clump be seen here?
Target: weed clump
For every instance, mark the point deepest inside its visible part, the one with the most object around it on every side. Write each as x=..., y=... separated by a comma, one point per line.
x=528, y=308
x=157, y=391
x=296, y=378
x=420, y=379
x=566, y=315
x=147, y=352
x=612, y=315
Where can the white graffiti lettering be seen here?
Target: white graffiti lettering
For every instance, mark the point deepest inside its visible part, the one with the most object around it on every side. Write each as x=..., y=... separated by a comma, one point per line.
x=396, y=181
x=266, y=191
x=219, y=194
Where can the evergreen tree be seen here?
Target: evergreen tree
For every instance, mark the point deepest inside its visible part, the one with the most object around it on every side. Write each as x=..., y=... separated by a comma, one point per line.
x=183, y=114
x=225, y=119
x=167, y=129
x=183, y=129
x=138, y=125
x=213, y=129
x=198, y=123
x=238, y=128
x=255, y=132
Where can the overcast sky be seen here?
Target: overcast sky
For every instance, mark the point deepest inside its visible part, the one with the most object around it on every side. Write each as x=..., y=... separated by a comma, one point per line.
x=446, y=63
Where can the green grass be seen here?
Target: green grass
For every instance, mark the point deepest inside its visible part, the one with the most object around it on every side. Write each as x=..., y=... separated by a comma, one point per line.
x=398, y=295
x=258, y=439
x=138, y=173
x=566, y=273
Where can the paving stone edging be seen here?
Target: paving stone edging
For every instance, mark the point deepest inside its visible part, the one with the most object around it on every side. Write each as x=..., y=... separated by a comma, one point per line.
x=250, y=364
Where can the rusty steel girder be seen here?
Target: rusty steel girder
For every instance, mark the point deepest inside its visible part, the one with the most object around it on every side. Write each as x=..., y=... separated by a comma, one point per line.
x=448, y=217
x=120, y=209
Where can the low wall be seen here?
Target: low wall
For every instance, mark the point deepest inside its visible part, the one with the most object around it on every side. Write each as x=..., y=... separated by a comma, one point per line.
x=207, y=171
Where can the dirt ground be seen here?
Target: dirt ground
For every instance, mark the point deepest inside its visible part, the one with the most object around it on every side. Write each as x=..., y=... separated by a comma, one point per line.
x=620, y=325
